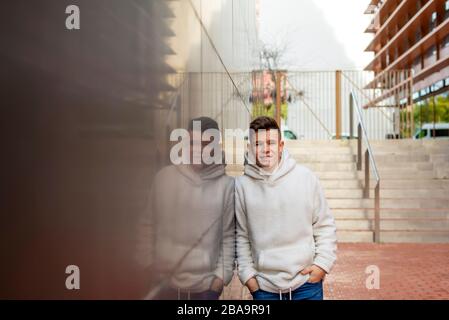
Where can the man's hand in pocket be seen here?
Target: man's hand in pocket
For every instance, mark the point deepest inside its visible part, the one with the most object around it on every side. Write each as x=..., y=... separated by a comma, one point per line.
x=316, y=273
x=252, y=285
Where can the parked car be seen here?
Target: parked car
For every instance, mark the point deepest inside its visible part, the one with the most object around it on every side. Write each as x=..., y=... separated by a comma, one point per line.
x=344, y=136
x=288, y=134
x=427, y=131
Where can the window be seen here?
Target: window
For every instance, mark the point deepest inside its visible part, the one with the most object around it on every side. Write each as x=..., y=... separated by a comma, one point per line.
x=431, y=55
x=417, y=64
x=418, y=5
x=442, y=133
x=415, y=95
x=446, y=9
x=406, y=44
x=431, y=52
x=395, y=53
x=424, y=91
x=289, y=135
x=437, y=86
x=445, y=42
x=422, y=133
x=418, y=34
x=433, y=21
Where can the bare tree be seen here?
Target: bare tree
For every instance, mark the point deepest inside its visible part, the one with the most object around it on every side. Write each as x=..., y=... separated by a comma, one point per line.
x=271, y=56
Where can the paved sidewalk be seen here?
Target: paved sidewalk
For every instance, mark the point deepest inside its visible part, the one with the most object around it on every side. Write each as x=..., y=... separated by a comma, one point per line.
x=407, y=271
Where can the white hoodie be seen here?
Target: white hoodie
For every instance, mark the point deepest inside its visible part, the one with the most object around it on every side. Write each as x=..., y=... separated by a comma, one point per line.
x=187, y=230
x=283, y=225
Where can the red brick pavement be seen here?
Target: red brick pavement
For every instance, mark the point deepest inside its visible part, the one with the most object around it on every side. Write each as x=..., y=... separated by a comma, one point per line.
x=407, y=271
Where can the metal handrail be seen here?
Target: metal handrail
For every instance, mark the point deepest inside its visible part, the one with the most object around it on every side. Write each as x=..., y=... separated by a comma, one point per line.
x=369, y=159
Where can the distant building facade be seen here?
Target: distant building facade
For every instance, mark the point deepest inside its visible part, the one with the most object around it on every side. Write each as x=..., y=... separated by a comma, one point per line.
x=412, y=35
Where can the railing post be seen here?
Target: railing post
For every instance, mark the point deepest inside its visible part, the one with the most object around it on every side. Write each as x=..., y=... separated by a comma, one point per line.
x=351, y=116
x=338, y=104
x=366, y=189
x=359, y=147
x=278, y=98
x=377, y=213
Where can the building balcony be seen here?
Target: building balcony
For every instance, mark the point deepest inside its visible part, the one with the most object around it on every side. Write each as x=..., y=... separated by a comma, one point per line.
x=382, y=33
x=407, y=32
x=405, y=61
x=381, y=8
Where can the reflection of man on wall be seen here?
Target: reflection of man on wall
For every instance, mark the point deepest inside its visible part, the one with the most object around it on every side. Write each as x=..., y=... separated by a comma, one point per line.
x=186, y=235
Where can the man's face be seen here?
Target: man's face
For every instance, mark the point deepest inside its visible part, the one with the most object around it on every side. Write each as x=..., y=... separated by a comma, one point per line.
x=267, y=146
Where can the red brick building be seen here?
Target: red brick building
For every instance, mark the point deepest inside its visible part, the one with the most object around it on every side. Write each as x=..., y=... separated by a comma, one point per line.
x=413, y=34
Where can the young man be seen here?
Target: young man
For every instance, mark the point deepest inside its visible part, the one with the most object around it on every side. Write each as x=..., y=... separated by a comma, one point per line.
x=186, y=236
x=286, y=235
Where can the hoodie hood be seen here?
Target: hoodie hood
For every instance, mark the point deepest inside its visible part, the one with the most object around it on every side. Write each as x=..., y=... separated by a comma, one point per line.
x=208, y=172
x=286, y=165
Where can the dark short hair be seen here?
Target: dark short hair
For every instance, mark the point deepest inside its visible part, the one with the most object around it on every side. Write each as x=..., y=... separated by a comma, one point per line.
x=206, y=123
x=264, y=123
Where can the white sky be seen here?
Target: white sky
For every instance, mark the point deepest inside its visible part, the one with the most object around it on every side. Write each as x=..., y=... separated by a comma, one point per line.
x=320, y=34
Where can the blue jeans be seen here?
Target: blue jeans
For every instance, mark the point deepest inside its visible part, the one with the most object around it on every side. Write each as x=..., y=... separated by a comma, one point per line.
x=172, y=294
x=308, y=291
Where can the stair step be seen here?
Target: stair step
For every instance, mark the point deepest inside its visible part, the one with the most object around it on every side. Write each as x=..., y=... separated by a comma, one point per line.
x=411, y=183
x=343, y=193
x=324, y=158
x=336, y=175
x=340, y=184
x=401, y=152
x=387, y=193
x=391, y=213
x=394, y=224
x=320, y=151
x=401, y=158
x=387, y=174
x=413, y=193
x=311, y=143
x=330, y=166
x=388, y=203
x=381, y=166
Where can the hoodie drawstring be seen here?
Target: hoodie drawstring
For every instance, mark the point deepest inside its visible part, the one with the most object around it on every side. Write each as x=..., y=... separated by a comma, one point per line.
x=179, y=294
x=289, y=293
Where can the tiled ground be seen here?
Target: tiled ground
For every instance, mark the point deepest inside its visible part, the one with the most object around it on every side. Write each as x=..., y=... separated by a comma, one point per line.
x=407, y=271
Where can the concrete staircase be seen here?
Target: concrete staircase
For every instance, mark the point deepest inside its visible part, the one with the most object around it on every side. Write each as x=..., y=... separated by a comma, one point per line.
x=414, y=190
x=414, y=187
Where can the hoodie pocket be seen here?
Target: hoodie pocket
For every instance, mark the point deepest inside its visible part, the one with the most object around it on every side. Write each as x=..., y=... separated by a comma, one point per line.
x=285, y=259
x=197, y=260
